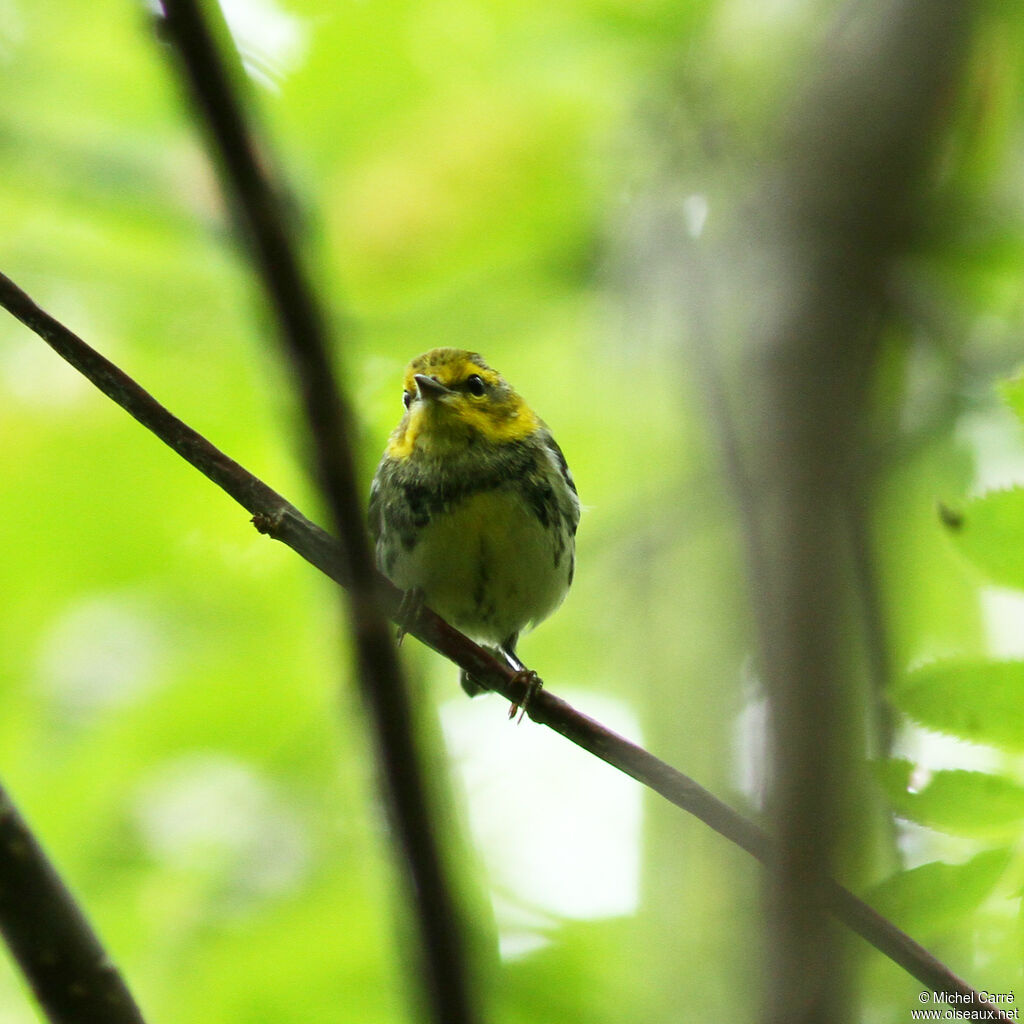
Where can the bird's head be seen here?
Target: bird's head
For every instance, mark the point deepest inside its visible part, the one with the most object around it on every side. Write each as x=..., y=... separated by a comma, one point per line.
x=453, y=398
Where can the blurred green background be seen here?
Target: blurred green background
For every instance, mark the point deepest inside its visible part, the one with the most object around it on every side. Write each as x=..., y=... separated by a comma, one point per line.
x=176, y=718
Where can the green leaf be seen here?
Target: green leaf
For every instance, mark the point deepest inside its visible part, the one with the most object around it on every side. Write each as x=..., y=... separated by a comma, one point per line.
x=989, y=531
x=981, y=701
x=959, y=802
x=936, y=897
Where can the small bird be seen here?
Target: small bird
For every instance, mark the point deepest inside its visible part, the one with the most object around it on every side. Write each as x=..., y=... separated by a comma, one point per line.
x=473, y=508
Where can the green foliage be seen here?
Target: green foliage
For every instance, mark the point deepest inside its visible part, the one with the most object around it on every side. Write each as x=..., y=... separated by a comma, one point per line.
x=936, y=898
x=956, y=801
x=978, y=700
x=987, y=530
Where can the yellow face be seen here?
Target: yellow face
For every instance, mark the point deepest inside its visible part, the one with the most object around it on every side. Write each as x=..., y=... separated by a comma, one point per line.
x=451, y=395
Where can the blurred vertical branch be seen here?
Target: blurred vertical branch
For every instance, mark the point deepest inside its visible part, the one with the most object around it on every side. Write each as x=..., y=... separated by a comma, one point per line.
x=256, y=199
x=841, y=203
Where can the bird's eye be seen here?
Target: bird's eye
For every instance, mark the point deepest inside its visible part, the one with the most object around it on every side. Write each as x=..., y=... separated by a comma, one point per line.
x=475, y=385
x=407, y=398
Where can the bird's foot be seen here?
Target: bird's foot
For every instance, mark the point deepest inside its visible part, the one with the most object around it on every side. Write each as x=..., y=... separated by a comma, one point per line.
x=533, y=684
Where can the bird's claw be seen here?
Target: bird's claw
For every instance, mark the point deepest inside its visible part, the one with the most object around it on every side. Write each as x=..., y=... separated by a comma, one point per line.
x=528, y=678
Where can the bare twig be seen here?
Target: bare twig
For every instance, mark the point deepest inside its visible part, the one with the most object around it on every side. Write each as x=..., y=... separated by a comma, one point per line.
x=278, y=519
x=69, y=971
x=304, y=339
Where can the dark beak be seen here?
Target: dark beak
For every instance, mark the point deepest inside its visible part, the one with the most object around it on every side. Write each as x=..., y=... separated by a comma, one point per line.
x=429, y=388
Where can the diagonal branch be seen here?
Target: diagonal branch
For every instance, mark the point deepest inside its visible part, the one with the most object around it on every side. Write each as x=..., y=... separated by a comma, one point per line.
x=305, y=340
x=280, y=520
x=58, y=952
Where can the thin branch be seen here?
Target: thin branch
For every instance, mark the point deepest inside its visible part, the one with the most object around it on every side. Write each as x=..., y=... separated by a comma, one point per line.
x=69, y=971
x=282, y=521
x=304, y=338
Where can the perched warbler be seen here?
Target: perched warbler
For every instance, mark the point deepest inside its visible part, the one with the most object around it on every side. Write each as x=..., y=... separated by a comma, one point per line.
x=473, y=507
